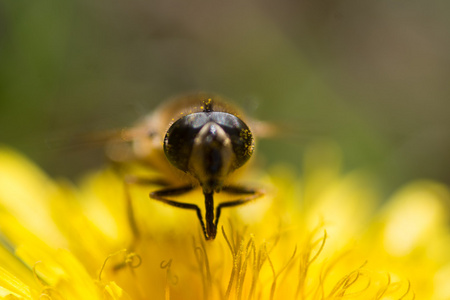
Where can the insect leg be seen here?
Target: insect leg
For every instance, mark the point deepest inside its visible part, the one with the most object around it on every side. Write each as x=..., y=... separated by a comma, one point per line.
x=252, y=194
x=161, y=195
x=235, y=189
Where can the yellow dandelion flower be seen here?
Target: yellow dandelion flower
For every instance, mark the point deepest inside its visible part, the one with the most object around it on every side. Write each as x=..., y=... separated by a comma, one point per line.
x=315, y=237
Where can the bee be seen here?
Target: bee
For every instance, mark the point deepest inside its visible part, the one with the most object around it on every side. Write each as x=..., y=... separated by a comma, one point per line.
x=197, y=140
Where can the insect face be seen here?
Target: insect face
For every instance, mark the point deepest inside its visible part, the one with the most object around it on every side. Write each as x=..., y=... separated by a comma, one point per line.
x=209, y=146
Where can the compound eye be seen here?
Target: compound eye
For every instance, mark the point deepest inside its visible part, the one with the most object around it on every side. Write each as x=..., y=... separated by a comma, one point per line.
x=179, y=139
x=240, y=135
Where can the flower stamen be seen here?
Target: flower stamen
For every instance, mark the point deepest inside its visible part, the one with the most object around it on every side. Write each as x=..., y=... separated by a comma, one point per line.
x=275, y=274
x=131, y=260
x=408, y=289
x=203, y=262
x=38, y=278
x=170, y=278
x=341, y=287
x=305, y=262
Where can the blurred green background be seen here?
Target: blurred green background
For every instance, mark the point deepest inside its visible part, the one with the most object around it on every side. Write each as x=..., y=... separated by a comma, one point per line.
x=371, y=75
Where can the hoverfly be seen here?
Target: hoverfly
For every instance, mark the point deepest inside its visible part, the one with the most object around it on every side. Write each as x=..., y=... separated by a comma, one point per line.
x=201, y=139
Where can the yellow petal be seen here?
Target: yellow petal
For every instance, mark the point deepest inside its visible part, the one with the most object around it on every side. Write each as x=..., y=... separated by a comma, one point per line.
x=413, y=216
x=25, y=193
x=12, y=286
x=114, y=292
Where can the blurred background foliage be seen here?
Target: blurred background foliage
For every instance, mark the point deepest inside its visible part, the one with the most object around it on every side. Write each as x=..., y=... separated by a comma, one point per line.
x=373, y=76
